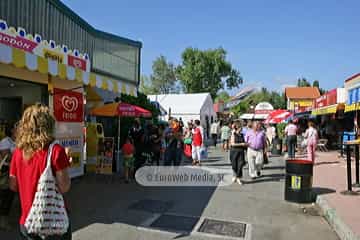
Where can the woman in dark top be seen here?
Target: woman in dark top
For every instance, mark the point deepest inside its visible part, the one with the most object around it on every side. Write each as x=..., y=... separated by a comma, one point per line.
x=237, y=152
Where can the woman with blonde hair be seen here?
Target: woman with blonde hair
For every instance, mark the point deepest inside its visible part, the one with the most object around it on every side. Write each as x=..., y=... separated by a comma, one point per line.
x=34, y=134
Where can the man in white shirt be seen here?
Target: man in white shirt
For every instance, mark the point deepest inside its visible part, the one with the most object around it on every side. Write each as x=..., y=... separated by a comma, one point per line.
x=214, y=131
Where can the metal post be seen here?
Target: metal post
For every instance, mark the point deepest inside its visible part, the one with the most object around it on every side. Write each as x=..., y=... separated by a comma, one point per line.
x=357, y=183
x=118, y=143
x=341, y=145
x=348, y=167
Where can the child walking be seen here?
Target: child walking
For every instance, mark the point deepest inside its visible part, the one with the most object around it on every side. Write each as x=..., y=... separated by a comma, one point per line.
x=128, y=153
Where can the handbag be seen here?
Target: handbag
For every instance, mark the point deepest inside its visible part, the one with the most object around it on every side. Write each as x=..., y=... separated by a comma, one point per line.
x=187, y=141
x=203, y=153
x=47, y=215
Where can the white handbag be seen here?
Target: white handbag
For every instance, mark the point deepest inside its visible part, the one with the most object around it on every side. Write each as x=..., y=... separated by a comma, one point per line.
x=47, y=215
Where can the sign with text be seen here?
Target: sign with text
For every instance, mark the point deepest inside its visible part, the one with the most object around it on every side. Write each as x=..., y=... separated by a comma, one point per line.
x=263, y=108
x=17, y=42
x=68, y=106
x=77, y=62
x=74, y=143
x=49, y=54
x=33, y=43
x=327, y=99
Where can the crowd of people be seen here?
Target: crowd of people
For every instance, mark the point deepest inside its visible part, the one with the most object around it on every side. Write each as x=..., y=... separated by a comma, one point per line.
x=163, y=144
x=24, y=157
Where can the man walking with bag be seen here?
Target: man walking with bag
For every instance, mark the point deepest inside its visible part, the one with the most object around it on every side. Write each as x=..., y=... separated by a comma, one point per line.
x=255, y=138
x=215, y=130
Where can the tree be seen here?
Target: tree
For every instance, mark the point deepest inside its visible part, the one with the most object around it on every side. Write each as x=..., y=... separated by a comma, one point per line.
x=223, y=96
x=145, y=85
x=163, y=79
x=276, y=99
x=316, y=84
x=303, y=82
x=207, y=71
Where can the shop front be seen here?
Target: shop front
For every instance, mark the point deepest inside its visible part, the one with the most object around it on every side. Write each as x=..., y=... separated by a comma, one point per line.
x=329, y=115
x=35, y=70
x=352, y=88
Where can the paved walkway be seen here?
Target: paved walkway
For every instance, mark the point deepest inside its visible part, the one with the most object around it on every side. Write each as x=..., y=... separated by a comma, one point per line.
x=103, y=208
x=330, y=180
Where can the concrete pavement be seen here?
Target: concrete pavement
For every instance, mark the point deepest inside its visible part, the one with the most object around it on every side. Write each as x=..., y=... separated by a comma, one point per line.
x=105, y=208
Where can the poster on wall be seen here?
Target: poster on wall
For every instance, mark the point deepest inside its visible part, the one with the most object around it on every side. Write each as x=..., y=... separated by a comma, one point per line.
x=105, y=155
x=74, y=143
x=70, y=134
x=68, y=106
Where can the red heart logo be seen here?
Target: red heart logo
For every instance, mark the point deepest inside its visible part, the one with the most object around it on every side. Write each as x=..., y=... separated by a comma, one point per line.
x=70, y=104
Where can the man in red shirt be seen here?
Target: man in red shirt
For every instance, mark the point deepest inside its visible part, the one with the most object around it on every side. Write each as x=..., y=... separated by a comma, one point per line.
x=197, y=142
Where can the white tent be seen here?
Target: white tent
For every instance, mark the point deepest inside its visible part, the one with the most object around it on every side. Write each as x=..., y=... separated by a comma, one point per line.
x=188, y=107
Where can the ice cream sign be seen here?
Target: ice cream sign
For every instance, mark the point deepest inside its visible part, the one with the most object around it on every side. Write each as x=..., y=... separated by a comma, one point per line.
x=48, y=49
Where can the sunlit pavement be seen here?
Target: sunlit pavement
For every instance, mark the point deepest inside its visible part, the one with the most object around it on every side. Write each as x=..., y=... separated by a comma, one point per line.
x=106, y=208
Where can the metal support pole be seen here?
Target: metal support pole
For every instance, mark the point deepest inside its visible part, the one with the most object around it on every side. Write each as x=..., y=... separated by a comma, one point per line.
x=348, y=167
x=357, y=182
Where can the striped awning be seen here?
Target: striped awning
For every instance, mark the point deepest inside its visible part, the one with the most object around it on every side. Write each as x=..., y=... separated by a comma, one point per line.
x=32, y=62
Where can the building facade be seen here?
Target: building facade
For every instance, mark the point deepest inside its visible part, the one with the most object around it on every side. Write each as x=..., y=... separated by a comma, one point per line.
x=112, y=56
x=49, y=54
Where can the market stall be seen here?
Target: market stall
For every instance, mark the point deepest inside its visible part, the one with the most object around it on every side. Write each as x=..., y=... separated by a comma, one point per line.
x=117, y=110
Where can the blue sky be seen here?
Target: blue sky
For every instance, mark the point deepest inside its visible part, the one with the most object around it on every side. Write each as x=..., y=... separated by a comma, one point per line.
x=271, y=42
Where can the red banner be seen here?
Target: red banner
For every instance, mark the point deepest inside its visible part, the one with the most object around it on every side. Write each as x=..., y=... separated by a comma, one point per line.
x=18, y=42
x=327, y=99
x=68, y=106
x=77, y=62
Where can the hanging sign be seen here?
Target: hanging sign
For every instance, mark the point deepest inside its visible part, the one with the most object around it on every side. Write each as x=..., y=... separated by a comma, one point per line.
x=263, y=108
x=68, y=106
x=329, y=98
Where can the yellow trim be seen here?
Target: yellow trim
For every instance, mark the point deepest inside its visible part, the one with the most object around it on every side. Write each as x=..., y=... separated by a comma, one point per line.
x=104, y=84
x=43, y=65
x=18, y=57
x=78, y=75
x=123, y=88
x=352, y=107
x=325, y=110
x=115, y=86
x=132, y=90
x=62, y=70
x=19, y=61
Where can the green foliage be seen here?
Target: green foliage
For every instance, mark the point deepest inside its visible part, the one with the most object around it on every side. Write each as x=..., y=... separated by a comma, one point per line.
x=274, y=98
x=126, y=122
x=142, y=101
x=223, y=96
x=207, y=71
x=316, y=84
x=145, y=85
x=303, y=82
x=163, y=79
x=280, y=128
